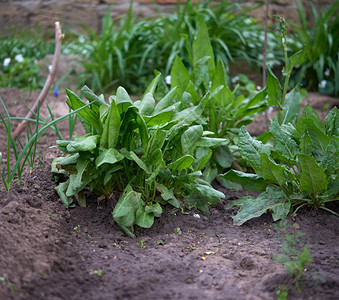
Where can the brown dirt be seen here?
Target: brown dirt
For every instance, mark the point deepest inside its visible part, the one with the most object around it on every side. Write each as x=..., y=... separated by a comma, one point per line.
x=42, y=256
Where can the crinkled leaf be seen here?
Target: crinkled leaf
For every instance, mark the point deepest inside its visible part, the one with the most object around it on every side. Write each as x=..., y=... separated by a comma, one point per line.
x=190, y=138
x=283, y=140
x=312, y=176
x=61, y=190
x=273, y=199
x=89, y=95
x=154, y=208
x=210, y=142
x=202, y=161
x=251, y=149
x=83, y=143
x=167, y=195
x=273, y=172
x=291, y=108
x=224, y=156
x=332, y=122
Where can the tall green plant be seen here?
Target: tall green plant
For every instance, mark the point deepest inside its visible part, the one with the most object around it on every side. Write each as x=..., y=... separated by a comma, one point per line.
x=143, y=149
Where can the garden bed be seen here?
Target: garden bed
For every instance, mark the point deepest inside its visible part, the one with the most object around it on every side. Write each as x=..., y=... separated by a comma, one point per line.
x=49, y=252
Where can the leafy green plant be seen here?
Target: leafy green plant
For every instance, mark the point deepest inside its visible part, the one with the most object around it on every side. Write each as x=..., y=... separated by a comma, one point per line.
x=128, y=49
x=96, y=272
x=225, y=112
x=300, y=168
x=142, y=149
x=293, y=256
x=320, y=70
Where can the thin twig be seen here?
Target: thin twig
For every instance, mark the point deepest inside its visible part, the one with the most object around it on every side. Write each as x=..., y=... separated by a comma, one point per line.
x=48, y=83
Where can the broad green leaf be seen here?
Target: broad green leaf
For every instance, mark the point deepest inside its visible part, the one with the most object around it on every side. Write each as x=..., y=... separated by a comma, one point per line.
x=147, y=105
x=111, y=130
x=83, y=143
x=273, y=172
x=312, y=176
x=198, y=200
x=143, y=218
x=140, y=163
x=283, y=140
x=297, y=58
x=202, y=47
x=330, y=161
x=332, y=122
x=272, y=199
x=210, y=142
x=291, y=108
x=190, y=138
x=61, y=191
x=223, y=156
x=153, y=155
x=308, y=113
x=180, y=77
x=123, y=101
x=225, y=97
x=74, y=102
x=273, y=88
x=160, y=118
x=108, y=156
x=208, y=191
x=124, y=211
x=167, y=195
x=166, y=101
x=141, y=124
x=251, y=182
x=202, y=161
x=89, y=95
x=210, y=173
x=153, y=85
x=154, y=208
x=69, y=160
x=256, y=103
x=78, y=184
x=251, y=149
x=182, y=163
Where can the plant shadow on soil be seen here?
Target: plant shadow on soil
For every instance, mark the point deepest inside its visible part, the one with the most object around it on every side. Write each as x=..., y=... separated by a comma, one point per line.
x=49, y=252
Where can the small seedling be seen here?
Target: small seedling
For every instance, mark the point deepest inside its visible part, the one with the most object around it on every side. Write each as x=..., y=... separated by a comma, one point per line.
x=293, y=256
x=282, y=292
x=142, y=244
x=177, y=230
x=97, y=272
x=52, y=214
x=77, y=228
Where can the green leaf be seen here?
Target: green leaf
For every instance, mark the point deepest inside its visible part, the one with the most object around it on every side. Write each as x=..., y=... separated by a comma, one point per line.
x=248, y=181
x=182, y=163
x=297, y=58
x=108, y=156
x=140, y=163
x=308, y=113
x=332, y=122
x=166, y=101
x=283, y=140
x=190, y=138
x=78, y=184
x=210, y=173
x=123, y=101
x=111, y=130
x=74, y=102
x=147, y=105
x=180, y=77
x=272, y=199
x=143, y=218
x=224, y=156
x=251, y=149
x=167, y=194
x=160, y=118
x=153, y=155
x=61, y=191
x=202, y=48
x=202, y=161
x=208, y=191
x=154, y=208
x=291, y=108
x=153, y=85
x=312, y=176
x=89, y=95
x=210, y=142
x=273, y=88
x=83, y=143
x=273, y=172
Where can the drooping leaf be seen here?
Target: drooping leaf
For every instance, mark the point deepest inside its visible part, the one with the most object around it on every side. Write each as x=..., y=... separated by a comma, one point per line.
x=154, y=208
x=89, y=95
x=83, y=143
x=108, y=156
x=224, y=156
x=167, y=195
x=272, y=199
x=144, y=219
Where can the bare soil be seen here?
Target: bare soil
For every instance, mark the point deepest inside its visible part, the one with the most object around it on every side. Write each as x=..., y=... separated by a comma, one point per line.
x=50, y=252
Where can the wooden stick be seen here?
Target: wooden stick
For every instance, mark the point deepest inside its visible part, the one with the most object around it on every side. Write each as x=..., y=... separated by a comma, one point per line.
x=48, y=83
